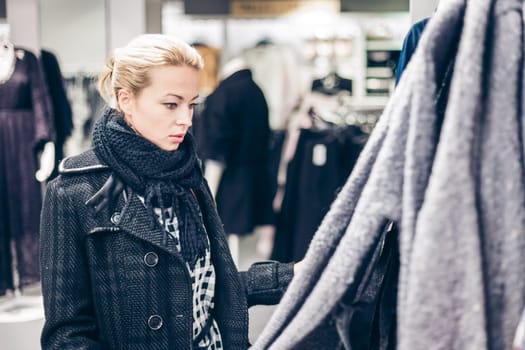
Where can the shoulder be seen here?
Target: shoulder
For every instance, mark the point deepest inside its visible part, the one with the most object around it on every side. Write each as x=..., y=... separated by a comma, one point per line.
x=80, y=177
x=83, y=173
x=83, y=163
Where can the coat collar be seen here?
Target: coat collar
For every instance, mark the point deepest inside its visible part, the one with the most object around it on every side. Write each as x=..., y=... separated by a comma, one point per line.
x=137, y=221
x=126, y=212
x=122, y=212
x=86, y=162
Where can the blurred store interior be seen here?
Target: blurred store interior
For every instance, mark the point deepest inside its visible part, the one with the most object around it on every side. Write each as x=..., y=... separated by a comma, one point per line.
x=327, y=69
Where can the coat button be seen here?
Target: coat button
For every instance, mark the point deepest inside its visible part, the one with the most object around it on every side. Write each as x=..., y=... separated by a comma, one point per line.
x=151, y=259
x=115, y=218
x=155, y=322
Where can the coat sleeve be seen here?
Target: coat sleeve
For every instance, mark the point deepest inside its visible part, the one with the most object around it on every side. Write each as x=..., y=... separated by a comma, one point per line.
x=266, y=282
x=68, y=305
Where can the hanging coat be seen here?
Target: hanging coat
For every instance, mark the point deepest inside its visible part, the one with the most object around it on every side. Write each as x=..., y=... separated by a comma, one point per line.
x=235, y=132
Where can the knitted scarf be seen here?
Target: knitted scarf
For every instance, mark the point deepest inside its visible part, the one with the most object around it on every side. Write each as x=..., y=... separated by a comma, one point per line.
x=164, y=178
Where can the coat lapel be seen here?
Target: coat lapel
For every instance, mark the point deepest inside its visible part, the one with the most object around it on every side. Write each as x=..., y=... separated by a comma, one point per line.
x=135, y=220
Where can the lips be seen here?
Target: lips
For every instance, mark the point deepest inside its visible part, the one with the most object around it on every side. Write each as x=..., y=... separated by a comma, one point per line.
x=177, y=137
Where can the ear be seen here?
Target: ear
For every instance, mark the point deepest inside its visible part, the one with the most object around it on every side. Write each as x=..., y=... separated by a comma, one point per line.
x=125, y=101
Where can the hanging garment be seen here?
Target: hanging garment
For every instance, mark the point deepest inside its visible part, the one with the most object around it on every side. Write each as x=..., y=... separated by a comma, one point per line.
x=277, y=141
x=62, y=114
x=25, y=124
x=236, y=133
x=455, y=189
x=209, y=76
x=87, y=105
x=409, y=46
x=275, y=70
x=322, y=162
x=313, y=103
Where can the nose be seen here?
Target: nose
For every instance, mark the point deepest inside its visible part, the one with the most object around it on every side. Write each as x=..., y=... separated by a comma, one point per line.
x=184, y=117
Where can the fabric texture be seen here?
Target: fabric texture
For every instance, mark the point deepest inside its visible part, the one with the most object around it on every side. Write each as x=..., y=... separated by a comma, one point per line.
x=25, y=125
x=109, y=282
x=166, y=179
x=454, y=186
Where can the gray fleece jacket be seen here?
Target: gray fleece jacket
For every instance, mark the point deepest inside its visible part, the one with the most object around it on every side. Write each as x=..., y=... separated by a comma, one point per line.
x=457, y=193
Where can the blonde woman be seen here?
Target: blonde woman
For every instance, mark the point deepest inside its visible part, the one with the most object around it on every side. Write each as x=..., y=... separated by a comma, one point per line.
x=133, y=253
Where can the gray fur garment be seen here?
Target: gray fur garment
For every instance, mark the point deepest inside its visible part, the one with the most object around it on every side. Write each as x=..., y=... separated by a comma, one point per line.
x=456, y=191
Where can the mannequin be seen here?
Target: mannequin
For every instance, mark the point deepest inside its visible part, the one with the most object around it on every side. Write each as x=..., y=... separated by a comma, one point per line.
x=8, y=56
x=46, y=163
x=27, y=158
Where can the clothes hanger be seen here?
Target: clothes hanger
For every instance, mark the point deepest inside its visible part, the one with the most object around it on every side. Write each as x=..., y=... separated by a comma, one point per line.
x=332, y=84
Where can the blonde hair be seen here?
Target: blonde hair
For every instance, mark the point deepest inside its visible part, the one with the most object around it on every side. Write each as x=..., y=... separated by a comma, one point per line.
x=129, y=67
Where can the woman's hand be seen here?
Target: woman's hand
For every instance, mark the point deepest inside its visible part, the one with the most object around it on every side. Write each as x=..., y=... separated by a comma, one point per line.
x=297, y=267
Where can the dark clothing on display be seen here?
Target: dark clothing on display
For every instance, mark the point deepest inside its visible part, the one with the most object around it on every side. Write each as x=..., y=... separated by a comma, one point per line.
x=332, y=84
x=88, y=106
x=25, y=125
x=409, y=46
x=235, y=132
x=117, y=286
x=277, y=141
x=62, y=114
x=321, y=164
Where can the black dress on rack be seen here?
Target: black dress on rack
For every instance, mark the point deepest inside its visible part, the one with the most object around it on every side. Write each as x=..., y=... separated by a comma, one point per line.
x=321, y=164
x=25, y=124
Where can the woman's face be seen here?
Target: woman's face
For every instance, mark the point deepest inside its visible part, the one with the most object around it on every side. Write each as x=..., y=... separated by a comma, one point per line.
x=163, y=111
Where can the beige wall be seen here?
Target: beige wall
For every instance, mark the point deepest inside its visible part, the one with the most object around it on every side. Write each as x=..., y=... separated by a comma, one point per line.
x=24, y=20
x=82, y=32
x=126, y=19
x=420, y=9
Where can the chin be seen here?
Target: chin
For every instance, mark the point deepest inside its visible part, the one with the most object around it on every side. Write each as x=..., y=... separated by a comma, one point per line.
x=170, y=148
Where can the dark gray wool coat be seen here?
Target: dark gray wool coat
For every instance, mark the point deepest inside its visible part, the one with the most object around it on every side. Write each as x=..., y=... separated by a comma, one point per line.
x=109, y=283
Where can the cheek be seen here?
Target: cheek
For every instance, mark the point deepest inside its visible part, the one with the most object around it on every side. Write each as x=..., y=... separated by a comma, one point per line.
x=160, y=127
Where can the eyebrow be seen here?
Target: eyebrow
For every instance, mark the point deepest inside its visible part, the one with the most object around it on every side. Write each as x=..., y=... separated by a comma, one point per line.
x=182, y=98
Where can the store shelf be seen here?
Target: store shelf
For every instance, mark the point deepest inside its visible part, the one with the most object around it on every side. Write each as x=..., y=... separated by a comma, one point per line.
x=388, y=45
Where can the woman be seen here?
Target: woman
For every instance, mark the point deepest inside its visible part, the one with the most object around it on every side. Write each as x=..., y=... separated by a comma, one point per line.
x=133, y=253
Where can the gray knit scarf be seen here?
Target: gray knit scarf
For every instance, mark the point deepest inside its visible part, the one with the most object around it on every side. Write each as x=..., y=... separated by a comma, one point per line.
x=165, y=179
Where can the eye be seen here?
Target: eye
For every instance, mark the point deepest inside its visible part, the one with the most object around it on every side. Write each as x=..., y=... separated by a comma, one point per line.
x=193, y=105
x=170, y=105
